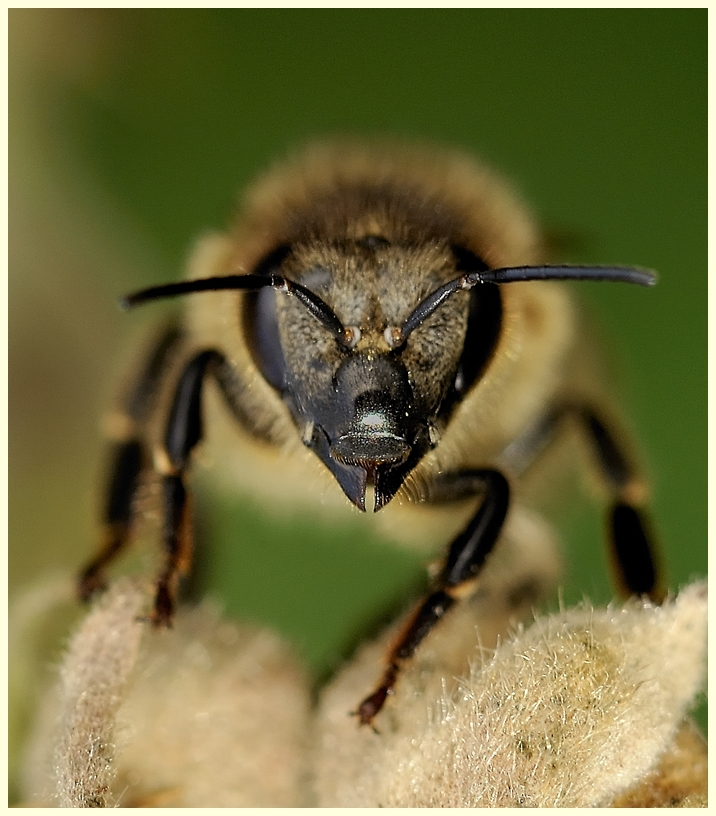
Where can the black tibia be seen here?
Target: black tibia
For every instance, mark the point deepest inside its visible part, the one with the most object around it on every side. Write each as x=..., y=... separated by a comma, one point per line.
x=126, y=464
x=141, y=400
x=125, y=471
x=183, y=431
x=184, y=427
x=630, y=537
x=469, y=550
x=612, y=460
x=465, y=559
x=177, y=539
x=632, y=551
x=426, y=616
x=632, y=548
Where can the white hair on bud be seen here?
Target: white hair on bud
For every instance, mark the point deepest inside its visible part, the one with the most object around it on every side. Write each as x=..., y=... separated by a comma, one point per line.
x=93, y=682
x=569, y=712
x=218, y=717
x=207, y=714
x=586, y=707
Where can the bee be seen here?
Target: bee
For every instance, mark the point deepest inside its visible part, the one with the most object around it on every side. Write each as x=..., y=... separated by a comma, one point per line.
x=381, y=326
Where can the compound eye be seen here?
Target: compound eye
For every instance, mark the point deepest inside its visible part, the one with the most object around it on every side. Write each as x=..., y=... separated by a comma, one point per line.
x=263, y=337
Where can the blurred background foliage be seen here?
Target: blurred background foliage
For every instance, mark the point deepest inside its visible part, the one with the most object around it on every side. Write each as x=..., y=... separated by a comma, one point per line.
x=131, y=131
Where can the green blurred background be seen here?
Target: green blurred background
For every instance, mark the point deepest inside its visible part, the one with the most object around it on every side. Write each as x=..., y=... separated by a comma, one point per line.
x=131, y=131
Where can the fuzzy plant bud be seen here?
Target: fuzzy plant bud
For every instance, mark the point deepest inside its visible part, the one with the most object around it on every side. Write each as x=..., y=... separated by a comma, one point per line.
x=572, y=711
x=207, y=714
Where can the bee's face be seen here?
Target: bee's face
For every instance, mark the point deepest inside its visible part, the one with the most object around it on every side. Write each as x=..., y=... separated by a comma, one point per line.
x=369, y=409
x=393, y=265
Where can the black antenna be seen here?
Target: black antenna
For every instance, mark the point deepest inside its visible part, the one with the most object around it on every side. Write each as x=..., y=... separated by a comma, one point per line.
x=327, y=317
x=514, y=274
x=317, y=307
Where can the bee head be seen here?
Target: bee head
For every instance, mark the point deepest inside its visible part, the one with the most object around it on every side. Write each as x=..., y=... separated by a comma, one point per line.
x=367, y=393
x=361, y=390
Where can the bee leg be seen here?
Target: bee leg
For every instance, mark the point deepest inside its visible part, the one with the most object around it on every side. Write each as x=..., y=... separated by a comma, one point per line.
x=127, y=460
x=125, y=472
x=183, y=432
x=630, y=536
x=466, y=557
x=631, y=540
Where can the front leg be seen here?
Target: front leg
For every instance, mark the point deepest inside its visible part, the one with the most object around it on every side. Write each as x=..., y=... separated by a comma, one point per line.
x=128, y=459
x=634, y=554
x=183, y=432
x=465, y=559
